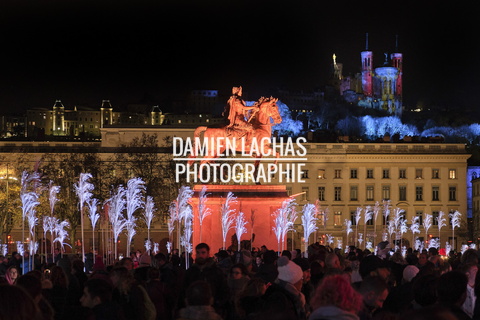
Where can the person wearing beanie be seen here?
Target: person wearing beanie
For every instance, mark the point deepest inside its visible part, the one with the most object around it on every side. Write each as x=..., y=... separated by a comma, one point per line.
x=409, y=273
x=144, y=264
x=400, y=298
x=284, y=296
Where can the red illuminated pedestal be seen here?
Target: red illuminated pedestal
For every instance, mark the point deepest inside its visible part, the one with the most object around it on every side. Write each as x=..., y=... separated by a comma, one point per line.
x=263, y=200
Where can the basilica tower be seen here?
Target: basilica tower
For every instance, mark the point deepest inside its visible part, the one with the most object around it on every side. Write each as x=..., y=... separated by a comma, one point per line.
x=367, y=70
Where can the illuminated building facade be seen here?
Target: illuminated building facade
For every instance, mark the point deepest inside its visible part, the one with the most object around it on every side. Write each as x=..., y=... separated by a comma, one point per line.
x=419, y=178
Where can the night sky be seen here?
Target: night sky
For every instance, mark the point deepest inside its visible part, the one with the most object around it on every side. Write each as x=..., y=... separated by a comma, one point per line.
x=128, y=51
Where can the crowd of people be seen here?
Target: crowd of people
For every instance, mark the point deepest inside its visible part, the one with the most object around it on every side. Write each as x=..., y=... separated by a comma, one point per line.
x=320, y=284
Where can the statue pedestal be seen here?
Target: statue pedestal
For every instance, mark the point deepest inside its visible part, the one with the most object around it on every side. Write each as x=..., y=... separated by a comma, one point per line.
x=262, y=200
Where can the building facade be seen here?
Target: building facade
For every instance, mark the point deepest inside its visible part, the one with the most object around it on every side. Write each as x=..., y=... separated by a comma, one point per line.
x=418, y=178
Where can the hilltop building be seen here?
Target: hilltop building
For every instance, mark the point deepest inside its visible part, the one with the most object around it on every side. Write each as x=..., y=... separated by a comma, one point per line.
x=378, y=87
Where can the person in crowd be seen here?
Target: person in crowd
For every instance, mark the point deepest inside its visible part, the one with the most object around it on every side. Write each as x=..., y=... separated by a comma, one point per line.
x=167, y=275
x=452, y=292
x=31, y=282
x=78, y=272
x=97, y=296
x=127, y=263
x=374, y=291
x=199, y=300
x=268, y=270
x=332, y=264
x=237, y=279
x=335, y=299
x=284, y=296
x=374, y=266
x=424, y=291
x=470, y=270
x=17, y=304
x=401, y=297
x=132, y=297
x=12, y=274
x=74, y=290
x=207, y=270
x=144, y=265
x=251, y=302
x=307, y=286
x=57, y=295
x=287, y=253
x=161, y=294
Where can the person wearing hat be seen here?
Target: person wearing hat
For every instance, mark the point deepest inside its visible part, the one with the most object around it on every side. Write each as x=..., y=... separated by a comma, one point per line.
x=307, y=286
x=284, y=296
x=144, y=264
x=400, y=298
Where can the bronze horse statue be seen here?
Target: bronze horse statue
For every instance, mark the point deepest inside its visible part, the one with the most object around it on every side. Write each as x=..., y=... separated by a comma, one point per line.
x=261, y=118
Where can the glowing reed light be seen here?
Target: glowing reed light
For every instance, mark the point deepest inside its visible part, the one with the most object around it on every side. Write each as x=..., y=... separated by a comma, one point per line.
x=52, y=196
x=93, y=216
x=284, y=220
x=134, y=201
x=83, y=189
x=309, y=222
x=415, y=227
x=456, y=219
x=358, y=217
x=117, y=205
x=427, y=223
x=148, y=245
x=240, y=229
x=227, y=215
x=348, y=227
x=149, y=213
x=203, y=211
x=20, y=249
x=185, y=215
x=441, y=223
x=62, y=234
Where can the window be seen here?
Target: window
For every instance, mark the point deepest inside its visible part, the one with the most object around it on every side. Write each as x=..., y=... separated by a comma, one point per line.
x=353, y=193
x=452, y=174
x=305, y=193
x=435, y=173
x=352, y=218
x=369, y=193
x=419, y=193
x=434, y=218
x=452, y=193
x=418, y=173
x=369, y=173
x=402, y=174
x=338, y=174
x=289, y=191
x=337, y=194
x=321, y=174
x=435, y=193
x=321, y=193
x=402, y=193
x=305, y=174
x=337, y=218
x=386, y=192
x=420, y=216
x=386, y=174
x=353, y=174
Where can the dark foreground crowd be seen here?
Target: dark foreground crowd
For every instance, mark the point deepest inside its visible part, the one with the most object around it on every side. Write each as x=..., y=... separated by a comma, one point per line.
x=246, y=285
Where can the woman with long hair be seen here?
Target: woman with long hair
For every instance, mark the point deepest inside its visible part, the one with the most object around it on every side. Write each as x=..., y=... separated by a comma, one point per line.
x=335, y=299
x=11, y=275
